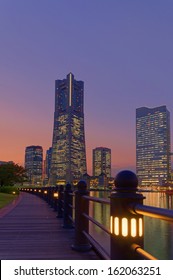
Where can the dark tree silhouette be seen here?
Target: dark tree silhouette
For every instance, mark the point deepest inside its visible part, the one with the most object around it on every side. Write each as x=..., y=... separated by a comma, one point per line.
x=11, y=173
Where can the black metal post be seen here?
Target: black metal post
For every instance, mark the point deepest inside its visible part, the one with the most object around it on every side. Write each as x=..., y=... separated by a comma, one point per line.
x=52, y=197
x=68, y=201
x=60, y=202
x=39, y=192
x=81, y=223
x=55, y=198
x=126, y=227
x=49, y=195
x=45, y=193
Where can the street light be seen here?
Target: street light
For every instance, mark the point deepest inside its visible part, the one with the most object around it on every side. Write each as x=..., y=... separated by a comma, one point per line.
x=55, y=195
x=126, y=227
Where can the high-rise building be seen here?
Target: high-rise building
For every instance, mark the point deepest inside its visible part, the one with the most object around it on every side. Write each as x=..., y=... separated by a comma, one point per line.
x=153, y=161
x=47, y=164
x=68, y=161
x=5, y=162
x=102, y=161
x=34, y=164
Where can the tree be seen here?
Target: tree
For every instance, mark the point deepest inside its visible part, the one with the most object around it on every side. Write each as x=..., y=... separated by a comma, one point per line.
x=11, y=173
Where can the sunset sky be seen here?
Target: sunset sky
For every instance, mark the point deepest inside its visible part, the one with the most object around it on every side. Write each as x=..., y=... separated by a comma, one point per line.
x=121, y=49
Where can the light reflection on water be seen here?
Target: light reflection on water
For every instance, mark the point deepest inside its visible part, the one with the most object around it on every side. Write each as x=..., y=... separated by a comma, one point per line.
x=158, y=234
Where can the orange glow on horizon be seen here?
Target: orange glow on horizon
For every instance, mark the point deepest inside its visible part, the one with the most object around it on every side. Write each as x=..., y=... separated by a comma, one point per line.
x=15, y=138
x=17, y=155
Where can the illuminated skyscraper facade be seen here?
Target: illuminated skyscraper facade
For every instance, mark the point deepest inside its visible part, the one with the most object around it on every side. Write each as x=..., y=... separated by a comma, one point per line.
x=153, y=161
x=34, y=164
x=102, y=161
x=68, y=162
x=47, y=164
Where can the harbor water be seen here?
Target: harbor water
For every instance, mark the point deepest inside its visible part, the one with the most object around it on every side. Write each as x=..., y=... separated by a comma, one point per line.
x=158, y=234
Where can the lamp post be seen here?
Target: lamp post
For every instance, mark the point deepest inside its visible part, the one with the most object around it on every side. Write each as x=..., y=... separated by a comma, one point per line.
x=55, y=198
x=68, y=204
x=81, y=223
x=55, y=195
x=125, y=226
x=60, y=201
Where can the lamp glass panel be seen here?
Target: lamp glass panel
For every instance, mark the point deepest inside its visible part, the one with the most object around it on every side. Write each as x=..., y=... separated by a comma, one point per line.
x=124, y=227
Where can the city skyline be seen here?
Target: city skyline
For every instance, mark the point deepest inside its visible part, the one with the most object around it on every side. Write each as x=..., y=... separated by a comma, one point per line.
x=122, y=52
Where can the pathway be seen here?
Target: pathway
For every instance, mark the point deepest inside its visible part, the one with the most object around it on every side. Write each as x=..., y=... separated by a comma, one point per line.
x=31, y=231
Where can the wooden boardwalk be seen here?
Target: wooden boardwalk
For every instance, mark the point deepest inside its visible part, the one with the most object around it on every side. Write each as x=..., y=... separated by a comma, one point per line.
x=31, y=231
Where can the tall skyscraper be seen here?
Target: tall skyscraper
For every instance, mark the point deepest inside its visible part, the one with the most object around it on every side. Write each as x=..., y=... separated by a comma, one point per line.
x=68, y=161
x=34, y=164
x=153, y=161
x=47, y=165
x=102, y=161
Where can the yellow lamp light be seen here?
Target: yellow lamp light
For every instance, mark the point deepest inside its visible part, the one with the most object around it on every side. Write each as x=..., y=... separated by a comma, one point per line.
x=133, y=227
x=45, y=192
x=140, y=227
x=116, y=226
x=55, y=195
x=126, y=226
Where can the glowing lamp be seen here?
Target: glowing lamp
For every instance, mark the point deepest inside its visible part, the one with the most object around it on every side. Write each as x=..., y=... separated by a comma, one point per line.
x=13, y=192
x=45, y=192
x=39, y=191
x=122, y=226
x=55, y=195
x=126, y=226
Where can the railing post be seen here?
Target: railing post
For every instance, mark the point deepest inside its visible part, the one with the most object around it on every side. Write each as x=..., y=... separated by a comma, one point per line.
x=49, y=195
x=52, y=197
x=55, y=198
x=39, y=192
x=126, y=227
x=45, y=194
x=81, y=223
x=68, y=201
x=60, y=202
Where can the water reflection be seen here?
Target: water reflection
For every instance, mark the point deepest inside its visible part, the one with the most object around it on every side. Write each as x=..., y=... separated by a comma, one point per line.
x=101, y=213
x=158, y=234
x=158, y=241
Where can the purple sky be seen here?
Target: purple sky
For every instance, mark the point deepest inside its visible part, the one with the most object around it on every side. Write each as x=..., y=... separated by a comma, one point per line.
x=122, y=50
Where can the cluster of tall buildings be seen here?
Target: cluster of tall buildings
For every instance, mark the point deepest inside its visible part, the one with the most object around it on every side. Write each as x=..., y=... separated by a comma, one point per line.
x=66, y=159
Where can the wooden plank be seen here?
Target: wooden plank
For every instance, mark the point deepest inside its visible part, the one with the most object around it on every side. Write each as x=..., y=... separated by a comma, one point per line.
x=31, y=231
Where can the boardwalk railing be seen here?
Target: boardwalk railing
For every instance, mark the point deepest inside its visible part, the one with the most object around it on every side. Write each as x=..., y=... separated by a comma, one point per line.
x=126, y=229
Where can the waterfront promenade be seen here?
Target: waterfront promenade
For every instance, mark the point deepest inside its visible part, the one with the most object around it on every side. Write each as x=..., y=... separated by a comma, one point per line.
x=31, y=231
